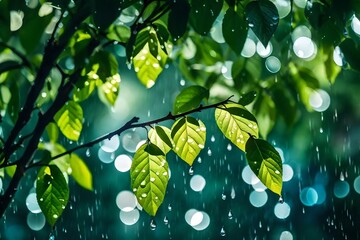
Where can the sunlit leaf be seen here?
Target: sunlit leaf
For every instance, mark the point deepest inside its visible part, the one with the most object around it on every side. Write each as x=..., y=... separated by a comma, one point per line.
x=190, y=98
x=236, y=123
x=148, y=67
x=52, y=132
x=265, y=162
x=80, y=172
x=103, y=66
x=235, y=30
x=10, y=170
x=149, y=177
x=178, y=18
x=52, y=193
x=109, y=90
x=160, y=136
x=189, y=137
x=203, y=14
x=263, y=19
x=69, y=119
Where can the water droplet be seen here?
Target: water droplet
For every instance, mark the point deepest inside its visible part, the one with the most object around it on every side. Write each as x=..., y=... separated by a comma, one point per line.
x=222, y=232
x=281, y=199
x=143, y=183
x=169, y=207
x=152, y=225
x=230, y=216
x=223, y=196
x=191, y=171
x=166, y=220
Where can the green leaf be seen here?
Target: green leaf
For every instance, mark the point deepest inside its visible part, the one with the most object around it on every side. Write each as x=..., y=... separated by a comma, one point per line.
x=84, y=88
x=265, y=112
x=236, y=123
x=80, y=172
x=247, y=98
x=69, y=120
x=104, y=66
x=263, y=19
x=190, y=98
x=266, y=163
x=203, y=14
x=189, y=137
x=235, y=30
x=120, y=33
x=10, y=170
x=351, y=51
x=160, y=136
x=52, y=193
x=148, y=67
x=178, y=19
x=52, y=132
x=149, y=177
x=109, y=91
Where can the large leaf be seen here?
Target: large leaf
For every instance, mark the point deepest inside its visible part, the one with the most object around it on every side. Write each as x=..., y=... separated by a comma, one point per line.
x=149, y=177
x=265, y=162
x=147, y=66
x=52, y=193
x=80, y=172
x=235, y=30
x=178, y=18
x=69, y=119
x=103, y=66
x=263, y=19
x=236, y=123
x=203, y=14
x=160, y=136
x=189, y=137
x=190, y=98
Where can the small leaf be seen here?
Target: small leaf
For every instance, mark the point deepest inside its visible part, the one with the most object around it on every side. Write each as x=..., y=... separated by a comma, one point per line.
x=235, y=30
x=80, y=172
x=52, y=193
x=263, y=19
x=178, y=18
x=189, y=137
x=69, y=119
x=236, y=123
x=10, y=170
x=247, y=98
x=190, y=98
x=84, y=88
x=109, y=90
x=52, y=132
x=203, y=14
x=149, y=177
x=265, y=162
x=160, y=136
x=104, y=66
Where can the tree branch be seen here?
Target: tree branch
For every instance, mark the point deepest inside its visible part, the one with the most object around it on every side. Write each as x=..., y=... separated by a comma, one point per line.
x=133, y=124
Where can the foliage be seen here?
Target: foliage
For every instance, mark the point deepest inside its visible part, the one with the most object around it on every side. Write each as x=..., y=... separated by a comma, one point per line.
x=60, y=52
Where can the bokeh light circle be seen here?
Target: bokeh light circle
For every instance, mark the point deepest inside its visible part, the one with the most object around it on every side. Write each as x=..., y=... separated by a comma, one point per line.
x=288, y=172
x=110, y=145
x=309, y=196
x=249, y=48
x=341, y=189
x=123, y=163
x=126, y=201
x=130, y=217
x=286, y=235
x=32, y=203
x=35, y=221
x=258, y=199
x=304, y=47
x=197, y=183
x=273, y=64
x=357, y=184
x=282, y=210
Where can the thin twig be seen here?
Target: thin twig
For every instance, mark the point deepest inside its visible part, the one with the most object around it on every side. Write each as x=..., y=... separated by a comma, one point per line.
x=17, y=53
x=133, y=124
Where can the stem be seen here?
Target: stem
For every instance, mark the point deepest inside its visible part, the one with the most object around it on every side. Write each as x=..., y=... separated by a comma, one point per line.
x=133, y=124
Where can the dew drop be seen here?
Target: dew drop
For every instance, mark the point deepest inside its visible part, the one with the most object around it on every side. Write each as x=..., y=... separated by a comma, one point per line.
x=223, y=196
x=166, y=220
x=191, y=171
x=169, y=207
x=230, y=215
x=281, y=199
